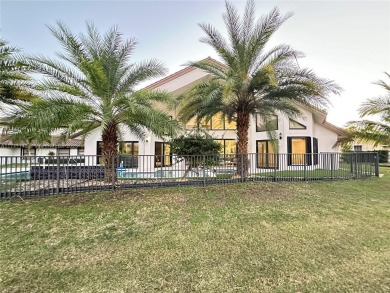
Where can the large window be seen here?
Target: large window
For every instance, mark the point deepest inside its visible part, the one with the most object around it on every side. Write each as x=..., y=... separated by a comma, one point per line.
x=217, y=122
x=163, y=157
x=228, y=150
x=261, y=124
x=127, y=153
x=299, y=150
x=204, y=124
x=228, y=146
x=266, y=156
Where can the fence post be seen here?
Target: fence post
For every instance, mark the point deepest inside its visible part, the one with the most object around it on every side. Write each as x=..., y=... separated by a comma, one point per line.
x=242, y=167
x=331, y=166
x=376, y=157
x=305, y=167
x=58, y=174
x=113, y=170
x=276, y=162
x=356, y=169
x=161, y=171
x=204, y=170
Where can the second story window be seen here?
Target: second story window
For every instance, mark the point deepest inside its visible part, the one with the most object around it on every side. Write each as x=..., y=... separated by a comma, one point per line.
x=261, y=124
x=295, y=125
x=217, y=122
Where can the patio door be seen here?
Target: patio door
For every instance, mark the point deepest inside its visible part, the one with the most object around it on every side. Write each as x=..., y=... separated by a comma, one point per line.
x=266, y=155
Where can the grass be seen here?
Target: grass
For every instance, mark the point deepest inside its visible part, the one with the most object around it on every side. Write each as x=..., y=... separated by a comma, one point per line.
x=317, y=173
x=250, y=237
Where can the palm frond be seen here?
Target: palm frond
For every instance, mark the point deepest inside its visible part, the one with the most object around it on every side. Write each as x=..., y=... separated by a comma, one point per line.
x=386, y=86
x=377, y=132
x=47, y=116
x=376, y=106
x=217, y=41
x=93, y=84
x=370, y=131
x=14, y=81
x=214, y=69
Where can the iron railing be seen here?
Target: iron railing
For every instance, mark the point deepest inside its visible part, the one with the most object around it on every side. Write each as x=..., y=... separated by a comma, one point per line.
x=37, y=176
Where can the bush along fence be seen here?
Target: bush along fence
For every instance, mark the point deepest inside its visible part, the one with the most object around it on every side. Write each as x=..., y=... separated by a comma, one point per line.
x=38, y=176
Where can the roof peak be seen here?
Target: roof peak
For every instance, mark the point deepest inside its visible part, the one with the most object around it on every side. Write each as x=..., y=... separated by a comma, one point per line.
x=179, y=73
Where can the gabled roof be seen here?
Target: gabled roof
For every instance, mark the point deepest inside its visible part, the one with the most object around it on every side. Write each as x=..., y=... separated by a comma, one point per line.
x=178, y=74
x=56, y=142
x=340, y=131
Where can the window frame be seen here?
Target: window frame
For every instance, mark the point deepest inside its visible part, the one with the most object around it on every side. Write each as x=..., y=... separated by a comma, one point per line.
x=135, y=160
x=210, y=124
x=267, y=141
x=163, y=144
x=295, y=128
x=258, y=117
x=224, y=146
x=359, y=146
x=307, y=154
x=33, y=150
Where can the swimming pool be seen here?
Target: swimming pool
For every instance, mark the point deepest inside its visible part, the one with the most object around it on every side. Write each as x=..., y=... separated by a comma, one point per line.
x=25, y=175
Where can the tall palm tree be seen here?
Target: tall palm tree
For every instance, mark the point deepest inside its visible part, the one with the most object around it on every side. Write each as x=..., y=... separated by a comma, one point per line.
x=13, y=77
x=250, y=78
x=92, y=85
x=377, y=132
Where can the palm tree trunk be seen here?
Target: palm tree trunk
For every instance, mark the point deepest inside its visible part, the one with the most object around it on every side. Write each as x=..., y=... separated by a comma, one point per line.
x=110, y=151
x=242, y=144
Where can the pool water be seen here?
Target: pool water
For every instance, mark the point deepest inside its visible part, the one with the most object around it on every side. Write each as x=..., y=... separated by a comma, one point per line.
x=16, y=176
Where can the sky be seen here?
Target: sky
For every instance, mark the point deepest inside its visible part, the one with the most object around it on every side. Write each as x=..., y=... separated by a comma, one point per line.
x=345, y=41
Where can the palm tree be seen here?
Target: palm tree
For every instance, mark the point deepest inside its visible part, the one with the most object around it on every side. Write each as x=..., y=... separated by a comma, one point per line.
x=251, y=80
x=93, y=86
x=13, y=77
x=377, y=132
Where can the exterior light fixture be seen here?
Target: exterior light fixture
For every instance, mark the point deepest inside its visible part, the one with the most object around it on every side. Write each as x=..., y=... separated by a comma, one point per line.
x=280, y=135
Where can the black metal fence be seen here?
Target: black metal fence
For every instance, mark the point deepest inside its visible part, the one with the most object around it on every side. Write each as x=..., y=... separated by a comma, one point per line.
x=38, y=176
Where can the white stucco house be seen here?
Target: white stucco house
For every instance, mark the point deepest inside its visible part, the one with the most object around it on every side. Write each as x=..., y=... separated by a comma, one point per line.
x=309, y=133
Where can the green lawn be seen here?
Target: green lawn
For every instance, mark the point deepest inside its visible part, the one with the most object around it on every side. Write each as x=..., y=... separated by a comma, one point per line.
x=249, y=237
x=317, y=173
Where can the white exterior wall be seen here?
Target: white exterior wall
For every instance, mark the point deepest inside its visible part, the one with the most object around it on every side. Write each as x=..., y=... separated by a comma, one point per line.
x=8, y=152
x=44, y=152
x=326, y=139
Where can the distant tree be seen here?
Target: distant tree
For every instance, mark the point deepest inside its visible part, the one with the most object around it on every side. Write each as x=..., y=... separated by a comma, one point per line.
x=251, y=80
x=376, y=132
x=197, y=149
x=93, y=85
